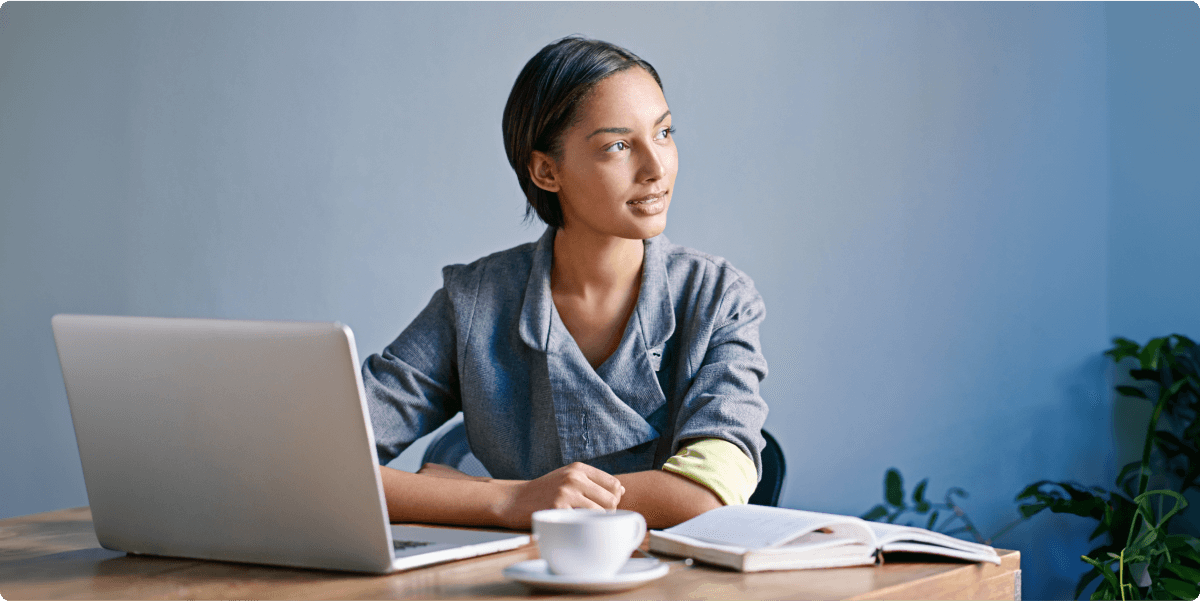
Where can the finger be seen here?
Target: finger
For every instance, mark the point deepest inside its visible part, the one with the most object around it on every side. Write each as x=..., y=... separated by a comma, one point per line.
x=582, y=502
x=604, y=479
x=601, y=496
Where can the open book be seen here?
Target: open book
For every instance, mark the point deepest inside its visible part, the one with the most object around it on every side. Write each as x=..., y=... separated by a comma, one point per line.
x=753, y=538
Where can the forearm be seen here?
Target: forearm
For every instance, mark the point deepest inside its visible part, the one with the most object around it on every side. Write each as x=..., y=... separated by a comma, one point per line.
x=452, y=497
x=664, y=498
x=445, y=471
x=439, y=499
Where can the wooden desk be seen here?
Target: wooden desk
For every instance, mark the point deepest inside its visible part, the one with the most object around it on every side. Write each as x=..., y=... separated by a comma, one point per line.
x=56, y=555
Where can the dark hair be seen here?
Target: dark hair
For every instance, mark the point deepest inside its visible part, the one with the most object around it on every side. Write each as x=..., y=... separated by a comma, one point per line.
x=544, y=103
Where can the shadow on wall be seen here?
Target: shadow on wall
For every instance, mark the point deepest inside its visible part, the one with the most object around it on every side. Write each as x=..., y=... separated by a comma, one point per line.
x=1088, y=391
x=1052, y=544
x=1130, y=416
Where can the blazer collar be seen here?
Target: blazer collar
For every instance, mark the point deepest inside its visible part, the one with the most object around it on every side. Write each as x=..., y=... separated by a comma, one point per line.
x=655, y=310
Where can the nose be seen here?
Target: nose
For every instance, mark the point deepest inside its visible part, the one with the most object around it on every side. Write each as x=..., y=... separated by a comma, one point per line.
x=654, y=164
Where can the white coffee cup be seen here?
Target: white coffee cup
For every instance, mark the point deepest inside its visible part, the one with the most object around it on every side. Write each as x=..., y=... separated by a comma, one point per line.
x=589, y=543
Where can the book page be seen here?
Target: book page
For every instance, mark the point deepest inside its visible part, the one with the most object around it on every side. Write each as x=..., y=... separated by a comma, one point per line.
x=943, y=551
x=820, y=551
x=813, y=541
x=758, y=527
x=889, y=535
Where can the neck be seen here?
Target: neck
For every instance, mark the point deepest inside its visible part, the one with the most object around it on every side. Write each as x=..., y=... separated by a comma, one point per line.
x=586, y=264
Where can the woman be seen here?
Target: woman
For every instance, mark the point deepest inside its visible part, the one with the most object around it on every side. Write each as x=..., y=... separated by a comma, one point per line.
x=601, y=366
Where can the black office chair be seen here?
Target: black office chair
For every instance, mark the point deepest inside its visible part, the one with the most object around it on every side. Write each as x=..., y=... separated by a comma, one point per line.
x=773, y=469
x=451, y=449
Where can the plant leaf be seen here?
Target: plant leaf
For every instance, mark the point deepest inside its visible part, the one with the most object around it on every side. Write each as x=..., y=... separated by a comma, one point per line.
x=1179, y=589
x=1101, y=528
x=1143, y=501
x=1133, y=391
x=1169, y=442
x=875, y=513
x=1149, y=355
x=1028, y=511
x=1065, y=497
x=1189, y=574
x=954, y=490
x=1104, y=571
x=932, y=520
x=1148, y=375
x=893, y=488
x=1122, y=347
x=1032, y=489
x=1144, y=540
x=1187, y=363
x=1184, y=547
x=919, y=492
x=1175, y=387
x=1085, y=580
x=1127, y=471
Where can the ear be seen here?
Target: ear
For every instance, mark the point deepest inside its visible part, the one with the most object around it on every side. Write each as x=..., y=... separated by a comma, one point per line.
x=544, y=171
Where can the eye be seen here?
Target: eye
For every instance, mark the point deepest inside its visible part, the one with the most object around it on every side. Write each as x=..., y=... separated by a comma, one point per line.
x=614, y=147
x=665, y=133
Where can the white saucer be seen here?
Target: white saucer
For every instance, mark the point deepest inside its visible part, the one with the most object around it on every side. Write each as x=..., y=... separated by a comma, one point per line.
x=635, y=572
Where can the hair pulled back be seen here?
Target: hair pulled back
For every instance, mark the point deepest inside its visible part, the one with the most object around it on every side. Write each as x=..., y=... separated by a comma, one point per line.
x=545, y=101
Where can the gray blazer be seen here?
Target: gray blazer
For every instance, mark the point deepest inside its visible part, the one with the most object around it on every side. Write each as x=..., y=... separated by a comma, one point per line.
x=491, y=344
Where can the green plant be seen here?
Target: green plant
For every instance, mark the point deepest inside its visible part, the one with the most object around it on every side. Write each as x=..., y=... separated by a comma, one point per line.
x=894, y=507
x=1147, y=557
x=1142, y=557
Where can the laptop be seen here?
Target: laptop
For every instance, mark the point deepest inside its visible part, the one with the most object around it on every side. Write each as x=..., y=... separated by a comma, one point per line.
x=245, y=441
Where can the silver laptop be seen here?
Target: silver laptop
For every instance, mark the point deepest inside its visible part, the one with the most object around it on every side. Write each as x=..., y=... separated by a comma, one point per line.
x=238, y=441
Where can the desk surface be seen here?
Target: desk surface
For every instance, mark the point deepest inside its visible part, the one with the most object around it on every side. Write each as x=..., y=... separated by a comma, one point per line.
x=56, y=555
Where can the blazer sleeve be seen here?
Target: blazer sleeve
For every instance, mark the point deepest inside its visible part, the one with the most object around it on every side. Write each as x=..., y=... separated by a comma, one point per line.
x=412, y=386
x=723, y=400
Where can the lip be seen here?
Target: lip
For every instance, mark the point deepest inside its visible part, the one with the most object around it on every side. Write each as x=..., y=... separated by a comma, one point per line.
x=649, y=198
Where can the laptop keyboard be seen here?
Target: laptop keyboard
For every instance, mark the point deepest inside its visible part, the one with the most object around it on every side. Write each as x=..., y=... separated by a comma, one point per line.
x=401, y=545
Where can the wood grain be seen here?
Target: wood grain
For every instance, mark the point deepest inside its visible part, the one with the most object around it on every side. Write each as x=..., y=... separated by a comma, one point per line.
x=55, y=555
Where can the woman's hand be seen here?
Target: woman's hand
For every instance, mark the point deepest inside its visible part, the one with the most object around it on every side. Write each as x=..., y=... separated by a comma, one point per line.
x=573, y=486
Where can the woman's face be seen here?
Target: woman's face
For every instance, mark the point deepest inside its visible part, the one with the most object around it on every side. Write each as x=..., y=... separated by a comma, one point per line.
x=616, y=170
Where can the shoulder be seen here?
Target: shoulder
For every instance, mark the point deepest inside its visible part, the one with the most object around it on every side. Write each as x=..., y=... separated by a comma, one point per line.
x=489, y=288
x=510, y=266
x=696, y=271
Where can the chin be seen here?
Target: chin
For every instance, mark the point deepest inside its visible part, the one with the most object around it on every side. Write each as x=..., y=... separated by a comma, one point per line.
x=642, y=227
x=647, y=228
x=657, y=229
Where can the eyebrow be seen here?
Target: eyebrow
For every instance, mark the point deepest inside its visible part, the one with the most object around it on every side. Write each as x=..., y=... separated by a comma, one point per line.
x=622, y=130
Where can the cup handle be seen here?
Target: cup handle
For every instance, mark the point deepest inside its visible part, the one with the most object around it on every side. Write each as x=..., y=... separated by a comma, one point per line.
x=640, y=535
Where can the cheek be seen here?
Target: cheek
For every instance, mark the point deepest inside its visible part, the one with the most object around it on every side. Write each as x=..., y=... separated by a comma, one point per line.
x=591, y=185
x=606, y=180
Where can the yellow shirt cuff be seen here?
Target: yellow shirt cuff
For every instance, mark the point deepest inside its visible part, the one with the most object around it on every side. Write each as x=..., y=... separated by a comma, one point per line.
x=720, y=466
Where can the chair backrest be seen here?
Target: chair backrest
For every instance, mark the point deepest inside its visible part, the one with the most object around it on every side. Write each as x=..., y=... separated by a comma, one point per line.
x=774, y=467
x=451, y=449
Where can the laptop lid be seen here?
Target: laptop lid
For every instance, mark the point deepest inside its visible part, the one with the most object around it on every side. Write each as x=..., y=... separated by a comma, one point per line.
x=230, y=440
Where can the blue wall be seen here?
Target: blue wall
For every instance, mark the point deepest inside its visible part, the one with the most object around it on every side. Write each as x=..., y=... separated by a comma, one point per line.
x=1154, y=187
x=1154, y=174
x=944, y=206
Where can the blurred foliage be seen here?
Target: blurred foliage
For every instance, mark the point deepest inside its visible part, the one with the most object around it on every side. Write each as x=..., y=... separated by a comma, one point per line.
x=1142, y=555
x=947, y=517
